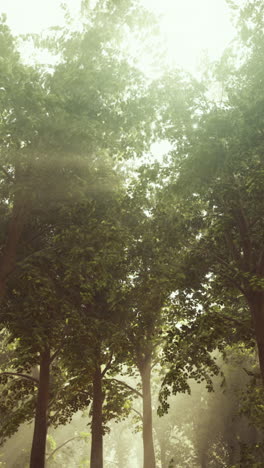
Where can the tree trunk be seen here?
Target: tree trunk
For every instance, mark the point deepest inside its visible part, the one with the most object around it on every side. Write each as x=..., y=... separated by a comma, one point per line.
x=203, y=462
x=37, y=459
x=148, y=445
x=234, y=455
x=97, y=421
x=232, y=429
x=256, y=303
x=163, y=457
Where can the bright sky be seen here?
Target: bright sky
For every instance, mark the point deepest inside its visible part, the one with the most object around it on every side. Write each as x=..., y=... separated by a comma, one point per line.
x=190, y=27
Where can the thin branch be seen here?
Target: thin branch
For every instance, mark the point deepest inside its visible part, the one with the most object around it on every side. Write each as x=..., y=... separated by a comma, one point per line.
x=51, y=401
x=62, y=445
x=56, y=353
x=232, y=272
x=154, y=363
x=225, y=263
x=29, y=241
x=235, y=321
x=108, y=365
x=58, y=350
x=23, y=376
x=138, y=413
x=252, y=374
x=124, y=384
x=235, y=283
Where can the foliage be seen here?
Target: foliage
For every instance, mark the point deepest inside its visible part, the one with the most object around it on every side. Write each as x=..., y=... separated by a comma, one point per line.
x=116, y=267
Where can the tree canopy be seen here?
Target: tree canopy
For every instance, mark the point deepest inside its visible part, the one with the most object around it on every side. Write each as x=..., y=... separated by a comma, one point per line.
x=116, y=267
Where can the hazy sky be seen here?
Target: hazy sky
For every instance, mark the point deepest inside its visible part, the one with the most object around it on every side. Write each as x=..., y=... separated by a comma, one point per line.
x=189, y=26
x=192, y=27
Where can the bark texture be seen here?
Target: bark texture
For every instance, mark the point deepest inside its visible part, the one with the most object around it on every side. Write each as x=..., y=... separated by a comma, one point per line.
x=97, y=421
x=38, y=450
x=148, y=445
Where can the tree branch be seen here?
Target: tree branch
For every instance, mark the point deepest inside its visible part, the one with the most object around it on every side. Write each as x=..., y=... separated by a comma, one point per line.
x=138, y=413
x=23, y=376
x=108, y=365
x=252, y=374
x=61, y=445
x=227, y=276
x=124, y=384
x=55, y=354
x=235, y=321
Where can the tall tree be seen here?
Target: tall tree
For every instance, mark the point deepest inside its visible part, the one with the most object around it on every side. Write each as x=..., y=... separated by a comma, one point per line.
x=57, y=133
x=35, y=312
x=219, y=161
x=153, y=276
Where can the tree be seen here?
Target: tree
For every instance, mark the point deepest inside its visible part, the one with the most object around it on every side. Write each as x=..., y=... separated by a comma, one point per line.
x=58, y=129
x=38, y=326
x=219, y=161
x=152, y=277
x=97, y=269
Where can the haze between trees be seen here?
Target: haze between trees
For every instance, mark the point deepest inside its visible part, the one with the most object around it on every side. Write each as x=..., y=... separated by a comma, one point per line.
x=109, y=266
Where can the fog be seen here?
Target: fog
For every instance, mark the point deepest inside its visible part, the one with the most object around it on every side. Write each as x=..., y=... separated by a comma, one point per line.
x=201, y=429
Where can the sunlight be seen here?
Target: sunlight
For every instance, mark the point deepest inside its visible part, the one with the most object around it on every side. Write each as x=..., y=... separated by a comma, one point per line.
x=131, y=240
x=192, y=30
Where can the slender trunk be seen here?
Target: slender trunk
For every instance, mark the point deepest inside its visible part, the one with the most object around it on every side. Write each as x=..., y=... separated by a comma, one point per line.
x=37, y=459
x=233, y=442
x=97, y=421
x=234, y=456
x=253, y=437
x=256, y=303
x=148, y=445
x=163, y=453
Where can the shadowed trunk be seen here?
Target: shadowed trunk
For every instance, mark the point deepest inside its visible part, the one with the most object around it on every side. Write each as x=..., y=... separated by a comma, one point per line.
x=97, y=421
x=37, y=459
x=231, y=430
x=148, y=445
x=256, y=303
x=234, y=455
